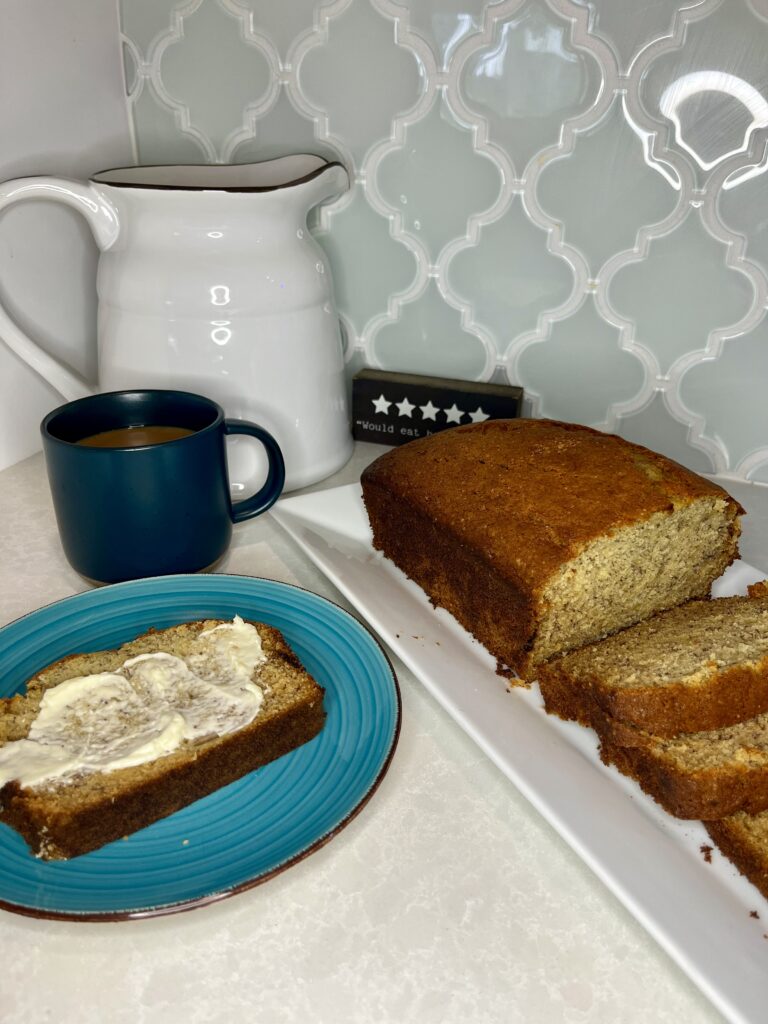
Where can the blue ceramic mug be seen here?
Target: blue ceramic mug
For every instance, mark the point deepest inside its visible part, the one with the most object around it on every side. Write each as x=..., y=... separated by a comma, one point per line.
x=140, y=485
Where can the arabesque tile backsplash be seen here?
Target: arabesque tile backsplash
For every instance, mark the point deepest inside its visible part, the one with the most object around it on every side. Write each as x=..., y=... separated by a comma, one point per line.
x=563, y=194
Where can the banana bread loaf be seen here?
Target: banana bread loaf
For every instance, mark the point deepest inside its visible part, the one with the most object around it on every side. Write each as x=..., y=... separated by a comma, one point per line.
x=103, y=744
x=540, y=537
x=697, y=667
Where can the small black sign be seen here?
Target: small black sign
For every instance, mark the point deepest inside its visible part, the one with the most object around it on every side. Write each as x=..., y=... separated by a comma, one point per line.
x=393, y=408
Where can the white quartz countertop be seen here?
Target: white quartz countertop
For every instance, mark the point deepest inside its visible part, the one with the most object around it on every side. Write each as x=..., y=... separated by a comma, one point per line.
x=446, y=899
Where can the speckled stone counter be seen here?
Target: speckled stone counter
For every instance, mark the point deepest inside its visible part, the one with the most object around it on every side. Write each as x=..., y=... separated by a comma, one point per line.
x=448, y=899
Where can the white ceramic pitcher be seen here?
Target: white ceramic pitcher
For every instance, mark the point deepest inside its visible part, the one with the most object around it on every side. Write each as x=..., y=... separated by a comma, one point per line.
x=209, y=281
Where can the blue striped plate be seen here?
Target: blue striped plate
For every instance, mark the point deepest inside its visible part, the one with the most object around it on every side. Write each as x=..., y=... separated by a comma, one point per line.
x=251, y=829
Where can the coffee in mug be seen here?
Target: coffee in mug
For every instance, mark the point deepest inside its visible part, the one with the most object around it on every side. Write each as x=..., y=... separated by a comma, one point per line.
x=134, y=437
x=140, y=484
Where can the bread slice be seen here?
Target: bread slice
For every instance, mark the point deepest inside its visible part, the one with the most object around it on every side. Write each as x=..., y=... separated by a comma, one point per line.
x=540, y=537
x=705, y=775
x=701, y=666
x=66, y=818
x=743, y=839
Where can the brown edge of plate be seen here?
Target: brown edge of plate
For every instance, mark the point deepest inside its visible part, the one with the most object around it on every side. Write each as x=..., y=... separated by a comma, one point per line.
x=165, y=910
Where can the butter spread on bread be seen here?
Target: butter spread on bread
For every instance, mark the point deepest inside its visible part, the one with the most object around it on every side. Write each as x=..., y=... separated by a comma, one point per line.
x=141, y=711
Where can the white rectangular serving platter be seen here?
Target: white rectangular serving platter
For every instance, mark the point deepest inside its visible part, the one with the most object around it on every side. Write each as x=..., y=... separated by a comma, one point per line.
x=698, y=911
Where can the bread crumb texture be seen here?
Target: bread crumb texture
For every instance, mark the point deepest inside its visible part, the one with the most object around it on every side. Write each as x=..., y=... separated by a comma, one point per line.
x=687, y=644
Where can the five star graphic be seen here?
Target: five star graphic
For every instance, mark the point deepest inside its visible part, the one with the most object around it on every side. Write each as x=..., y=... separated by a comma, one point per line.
x=428, y=411
x=381, y=405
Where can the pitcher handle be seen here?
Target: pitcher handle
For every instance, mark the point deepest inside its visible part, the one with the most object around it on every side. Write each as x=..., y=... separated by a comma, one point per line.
x=102, y=219
x=267, y=496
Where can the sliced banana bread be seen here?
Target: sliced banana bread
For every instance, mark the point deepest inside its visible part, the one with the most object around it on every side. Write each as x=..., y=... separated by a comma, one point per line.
x=540, y=537
x=704, y=775
x=712, y=673
x=696, y=775
x=103, y=744
x=701, y=666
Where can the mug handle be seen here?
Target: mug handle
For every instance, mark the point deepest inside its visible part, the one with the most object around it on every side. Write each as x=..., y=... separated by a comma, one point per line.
x=270, y=492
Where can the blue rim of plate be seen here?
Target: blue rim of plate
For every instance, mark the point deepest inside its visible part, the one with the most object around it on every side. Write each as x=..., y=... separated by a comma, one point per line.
x=247, y=832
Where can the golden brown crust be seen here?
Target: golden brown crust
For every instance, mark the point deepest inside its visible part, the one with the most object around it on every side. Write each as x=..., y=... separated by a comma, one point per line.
x=707, y=793
x=432, y=558
x=748, y=854
x=562, y=485
x=725, y=698
x=563, y=700
x=71, y=819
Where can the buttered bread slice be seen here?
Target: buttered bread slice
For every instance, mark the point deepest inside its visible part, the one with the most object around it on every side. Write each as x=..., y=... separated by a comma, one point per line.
x=103, y=744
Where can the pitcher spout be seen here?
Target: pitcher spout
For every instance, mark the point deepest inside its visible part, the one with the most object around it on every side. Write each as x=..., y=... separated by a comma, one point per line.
x=327, y=182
